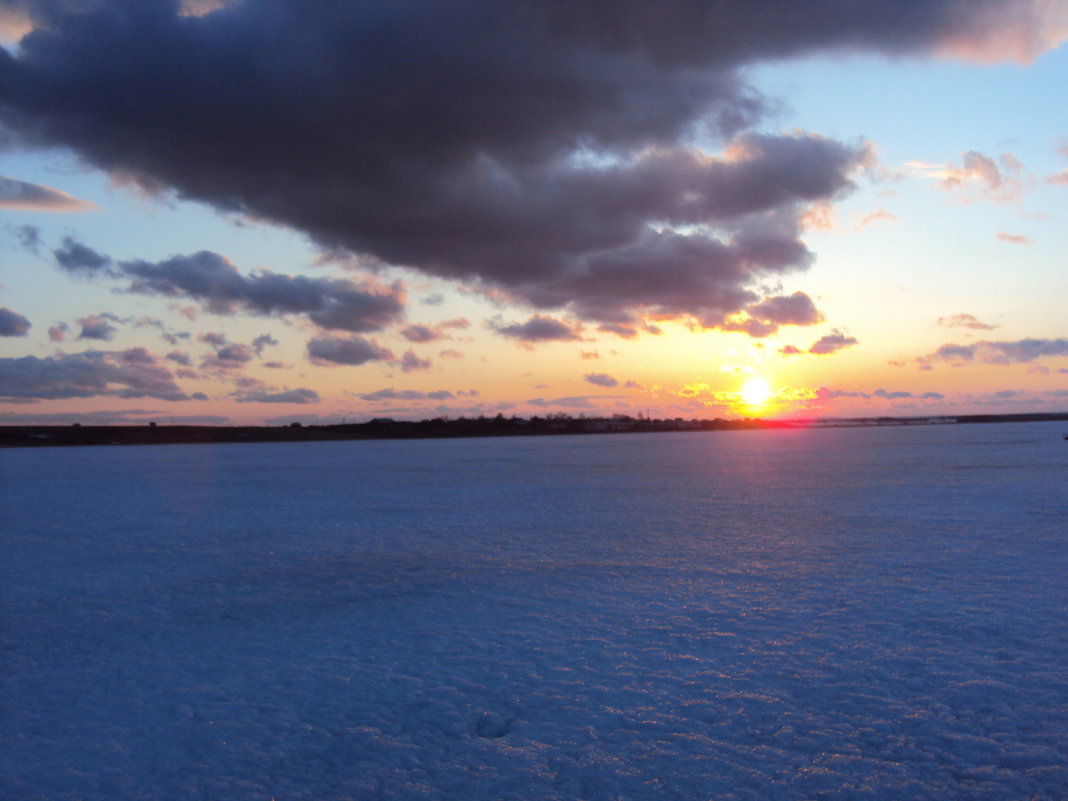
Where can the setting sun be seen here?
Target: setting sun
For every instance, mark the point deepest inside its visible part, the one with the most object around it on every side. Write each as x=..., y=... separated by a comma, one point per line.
x=755, y=392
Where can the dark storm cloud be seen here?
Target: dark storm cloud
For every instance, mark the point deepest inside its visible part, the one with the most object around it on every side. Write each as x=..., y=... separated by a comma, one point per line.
x=346, y=350
x=122, y=374
x=13, y=324
x=530, y=146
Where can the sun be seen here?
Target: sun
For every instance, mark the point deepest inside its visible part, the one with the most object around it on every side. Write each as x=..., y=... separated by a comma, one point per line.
x=755, y=392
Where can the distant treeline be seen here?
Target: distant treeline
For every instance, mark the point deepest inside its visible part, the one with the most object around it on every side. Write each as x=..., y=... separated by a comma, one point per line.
x=443, y=427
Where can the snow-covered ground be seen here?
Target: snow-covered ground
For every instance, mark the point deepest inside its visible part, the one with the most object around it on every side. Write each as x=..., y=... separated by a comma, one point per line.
x=823, y=614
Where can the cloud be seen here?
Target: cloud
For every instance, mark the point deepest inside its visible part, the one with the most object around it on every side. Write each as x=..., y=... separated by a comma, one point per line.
x=98, y=326
x=1014, y=239
x=236, y=353
x=825, y=394
x=450, y=353
x=538, y=328
x=76, y=258
x=13, y=324
x=419, y=333
x=263, y=341
x=573, y=402
x=410, y=362
x=978, y=177
x=58, y=332
x=1020, y=351
x=349, y=350
x=537, y=148
x=213, y=280
x=620, y=330
x=789, y=350
x=408, y=394
x=832, y=343
x=284, y=396
x=122, y=374
x=424, y=333
x=1058, y=178
x=18, y=195
x=964, y=321
x=28, y=236
x=874, y=217
x=602, y=379
x=764, y=318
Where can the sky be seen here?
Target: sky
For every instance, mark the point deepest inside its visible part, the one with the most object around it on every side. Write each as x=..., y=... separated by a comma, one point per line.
x=265, y=211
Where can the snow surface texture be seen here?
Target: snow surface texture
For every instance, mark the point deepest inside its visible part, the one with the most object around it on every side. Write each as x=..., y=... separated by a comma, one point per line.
x=823, y=614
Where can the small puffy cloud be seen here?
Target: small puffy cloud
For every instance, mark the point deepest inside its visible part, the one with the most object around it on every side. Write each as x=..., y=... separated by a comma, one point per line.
x=882, y=215
x=123, y=374
x=28, y=236
x=18, y=195
x=263, y=341
x=410, y=362
x=419, y=333
x=539, y=328
x=764, y=318
x=351, y=351
x=589, y=354
x=13, y=324
x=832, y=343
x=1058, y=178
x=79, y=259
x=789, y=350
x=978, y=177
x=601, y=379
x=98, y=326
x=58, y=332
x=235, y=353
x=178, y=357
x=425, y=333
x=284, y=396
x=1022, y=351
x=450, y=353
x=1014, y=239
x=964, y=321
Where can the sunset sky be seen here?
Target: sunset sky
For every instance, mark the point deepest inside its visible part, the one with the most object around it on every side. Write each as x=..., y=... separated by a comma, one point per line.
x=267, y=211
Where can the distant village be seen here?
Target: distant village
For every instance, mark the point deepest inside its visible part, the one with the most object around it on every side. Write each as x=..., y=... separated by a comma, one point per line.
x=443, y=427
